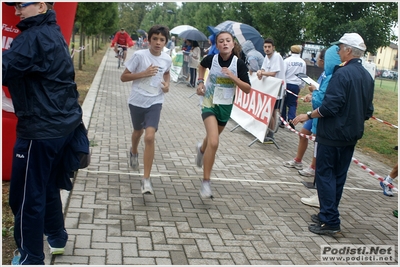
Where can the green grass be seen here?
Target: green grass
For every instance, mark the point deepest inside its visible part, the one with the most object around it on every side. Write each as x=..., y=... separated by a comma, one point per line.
x=389, y=85
x=379, y=139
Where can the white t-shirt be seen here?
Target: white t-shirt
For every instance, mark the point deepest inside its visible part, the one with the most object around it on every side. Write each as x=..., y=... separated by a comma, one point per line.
x=147, y=91
x=275, y=64
x=294, y=65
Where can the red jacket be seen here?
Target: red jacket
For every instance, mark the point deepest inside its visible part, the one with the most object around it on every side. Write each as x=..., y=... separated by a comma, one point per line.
x=122, y=39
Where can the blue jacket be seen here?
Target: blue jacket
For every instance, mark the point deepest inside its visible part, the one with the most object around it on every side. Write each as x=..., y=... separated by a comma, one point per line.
x=331, y=60
x=347, y=104
x=39, y=73
x=213, y=49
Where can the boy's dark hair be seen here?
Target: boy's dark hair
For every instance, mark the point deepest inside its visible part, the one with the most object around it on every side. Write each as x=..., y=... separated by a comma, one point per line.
x=269, y=41
x=157, y=29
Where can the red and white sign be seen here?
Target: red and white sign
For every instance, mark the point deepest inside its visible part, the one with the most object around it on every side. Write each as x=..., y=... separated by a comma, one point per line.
x=253, y=111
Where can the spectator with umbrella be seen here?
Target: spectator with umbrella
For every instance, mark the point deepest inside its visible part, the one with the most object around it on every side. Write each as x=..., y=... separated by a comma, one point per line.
x=194, y=60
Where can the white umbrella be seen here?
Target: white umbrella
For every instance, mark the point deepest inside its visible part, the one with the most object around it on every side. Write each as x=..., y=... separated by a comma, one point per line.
x=181, y=28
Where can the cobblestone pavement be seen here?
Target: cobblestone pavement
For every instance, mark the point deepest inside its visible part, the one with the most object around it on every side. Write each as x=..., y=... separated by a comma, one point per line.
x=256, y=217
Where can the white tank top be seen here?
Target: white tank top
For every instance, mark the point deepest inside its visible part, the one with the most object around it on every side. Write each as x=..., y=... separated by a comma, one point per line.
x=220, y=84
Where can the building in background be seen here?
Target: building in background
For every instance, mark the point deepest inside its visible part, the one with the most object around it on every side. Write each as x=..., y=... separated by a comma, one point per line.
x=386, y=60
x=308, y=49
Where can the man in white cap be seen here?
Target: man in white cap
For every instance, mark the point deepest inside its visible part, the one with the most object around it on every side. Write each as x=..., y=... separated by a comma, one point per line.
x=347, y=104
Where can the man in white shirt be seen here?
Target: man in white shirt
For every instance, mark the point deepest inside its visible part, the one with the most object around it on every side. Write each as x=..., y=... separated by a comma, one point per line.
x=293, y=65
x=273, y=66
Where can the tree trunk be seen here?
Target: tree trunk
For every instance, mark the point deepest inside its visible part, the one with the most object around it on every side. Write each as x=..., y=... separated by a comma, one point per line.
x=93, y=46
x=84, y=49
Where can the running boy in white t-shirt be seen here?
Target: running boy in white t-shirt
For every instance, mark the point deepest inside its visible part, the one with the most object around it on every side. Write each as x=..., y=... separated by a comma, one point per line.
x=149, y=71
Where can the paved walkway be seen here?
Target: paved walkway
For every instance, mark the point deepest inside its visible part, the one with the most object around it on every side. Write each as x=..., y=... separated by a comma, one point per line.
x=256, y=217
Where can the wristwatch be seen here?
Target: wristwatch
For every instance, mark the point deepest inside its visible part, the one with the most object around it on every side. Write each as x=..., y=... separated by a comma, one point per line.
x=309, y=114
x=200, y=81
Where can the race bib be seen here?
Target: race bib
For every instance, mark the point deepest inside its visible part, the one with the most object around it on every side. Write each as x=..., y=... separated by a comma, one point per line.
x=152, y=84
x=223, y=95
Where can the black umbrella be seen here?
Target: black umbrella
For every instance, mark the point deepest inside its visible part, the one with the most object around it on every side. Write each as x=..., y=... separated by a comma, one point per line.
x=142, y=32
x=194, y=35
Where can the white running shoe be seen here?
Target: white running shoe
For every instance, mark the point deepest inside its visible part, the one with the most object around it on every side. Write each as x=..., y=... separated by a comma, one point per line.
x=308, y=172
x=199, y=155
x=311, y=201
x=134, y=161
x=146, y=186
x=293, y=164
x=205, y=191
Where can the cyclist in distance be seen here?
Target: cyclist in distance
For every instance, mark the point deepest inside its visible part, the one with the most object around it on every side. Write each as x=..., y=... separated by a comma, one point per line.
x=123, y=39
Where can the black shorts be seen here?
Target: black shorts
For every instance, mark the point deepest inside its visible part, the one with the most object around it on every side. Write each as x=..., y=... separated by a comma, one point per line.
x=124, y=48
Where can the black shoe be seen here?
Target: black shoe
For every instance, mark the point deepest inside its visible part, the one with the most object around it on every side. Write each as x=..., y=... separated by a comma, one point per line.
x=323, y=229
x=291, y=124
x=282, y=125
x=315, y=218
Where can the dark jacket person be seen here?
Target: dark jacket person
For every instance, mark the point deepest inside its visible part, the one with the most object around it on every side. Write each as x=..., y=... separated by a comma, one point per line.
x=39, y=73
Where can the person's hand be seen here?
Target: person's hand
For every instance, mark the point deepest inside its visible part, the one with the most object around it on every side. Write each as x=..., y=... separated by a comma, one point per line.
x=151, y=70
x=259, y=74
x=165, y=87
x=312, y=88
x=307, y=98
x=300, y=118
x=200, y=89
x=227, y=72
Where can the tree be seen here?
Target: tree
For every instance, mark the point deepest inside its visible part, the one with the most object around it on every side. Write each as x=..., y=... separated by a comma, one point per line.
x=131, y=15
x=282, y=21
x=94, y=19
x=327, y=22
x=97, y=17
x=287, y=23
x=201, y=15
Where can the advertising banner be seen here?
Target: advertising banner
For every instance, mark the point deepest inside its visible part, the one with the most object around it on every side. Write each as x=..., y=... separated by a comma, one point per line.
x=177, y=63
x=253, y=111
x=65, y=19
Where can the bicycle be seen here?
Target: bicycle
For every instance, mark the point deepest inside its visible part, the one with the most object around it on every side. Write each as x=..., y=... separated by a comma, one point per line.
x=120, y=55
